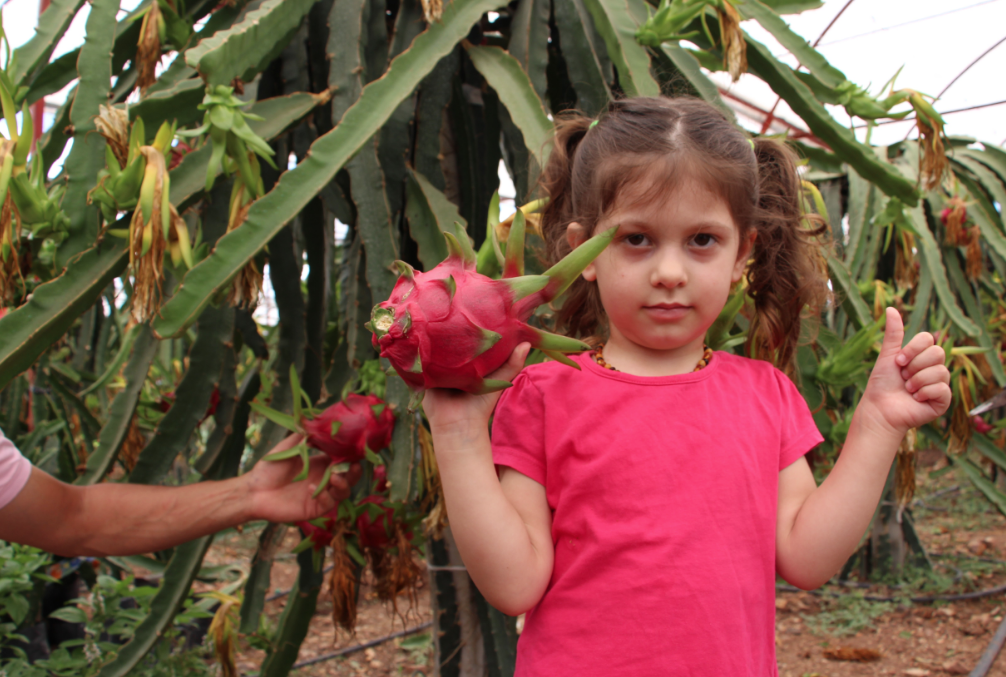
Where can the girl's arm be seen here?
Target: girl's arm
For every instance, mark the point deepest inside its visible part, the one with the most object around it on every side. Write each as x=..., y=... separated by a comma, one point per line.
x=502, y=525
x=818, y=528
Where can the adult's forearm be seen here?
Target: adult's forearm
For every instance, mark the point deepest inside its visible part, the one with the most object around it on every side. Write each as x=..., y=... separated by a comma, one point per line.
x=831, y=523
x=130, y=519
x=492, y=537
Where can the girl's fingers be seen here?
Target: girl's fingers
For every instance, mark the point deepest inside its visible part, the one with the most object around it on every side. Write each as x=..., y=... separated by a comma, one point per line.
x=930, y=357
x=913, y=348
x=937, y=374
x=513, y=365
x=937, y=395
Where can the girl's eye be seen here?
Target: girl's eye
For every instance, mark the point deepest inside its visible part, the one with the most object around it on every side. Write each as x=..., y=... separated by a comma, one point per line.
x=704, y=240
x=636, y=239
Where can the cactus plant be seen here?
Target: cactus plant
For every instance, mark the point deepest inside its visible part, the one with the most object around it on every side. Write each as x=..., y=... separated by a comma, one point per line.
x=136, y=271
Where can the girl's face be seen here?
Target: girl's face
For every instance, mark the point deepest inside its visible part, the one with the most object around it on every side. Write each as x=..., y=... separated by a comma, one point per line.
x=665, y=277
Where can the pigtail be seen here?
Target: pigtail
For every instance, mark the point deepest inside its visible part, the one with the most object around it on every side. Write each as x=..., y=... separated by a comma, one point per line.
x=788, y=272
x=581, y=313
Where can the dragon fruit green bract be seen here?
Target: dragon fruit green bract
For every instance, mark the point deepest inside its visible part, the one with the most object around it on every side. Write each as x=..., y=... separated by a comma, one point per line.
x=451, y=326
x=345, y=430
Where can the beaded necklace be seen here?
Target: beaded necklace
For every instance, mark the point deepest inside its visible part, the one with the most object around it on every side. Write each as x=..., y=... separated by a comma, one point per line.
x=707, y=355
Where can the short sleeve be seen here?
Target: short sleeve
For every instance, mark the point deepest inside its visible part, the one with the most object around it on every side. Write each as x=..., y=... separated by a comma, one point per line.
x=798, y=432
x=518, y=430
x=14, y=471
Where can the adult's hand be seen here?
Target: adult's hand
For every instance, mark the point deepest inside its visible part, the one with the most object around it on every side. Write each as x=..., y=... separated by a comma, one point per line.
x=276, y=497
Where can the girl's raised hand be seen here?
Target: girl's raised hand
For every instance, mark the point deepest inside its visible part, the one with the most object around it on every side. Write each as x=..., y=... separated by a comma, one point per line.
x=909, y=386
x=450, y=410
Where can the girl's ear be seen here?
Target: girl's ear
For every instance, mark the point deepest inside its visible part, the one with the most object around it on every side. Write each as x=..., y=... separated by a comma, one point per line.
x=743, y=254
x=576, y=235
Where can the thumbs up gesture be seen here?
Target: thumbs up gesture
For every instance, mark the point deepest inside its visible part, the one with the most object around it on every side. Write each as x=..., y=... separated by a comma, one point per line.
x=909, y=386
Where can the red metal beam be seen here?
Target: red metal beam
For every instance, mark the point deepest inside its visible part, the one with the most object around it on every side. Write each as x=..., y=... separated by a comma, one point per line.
x=794, y=131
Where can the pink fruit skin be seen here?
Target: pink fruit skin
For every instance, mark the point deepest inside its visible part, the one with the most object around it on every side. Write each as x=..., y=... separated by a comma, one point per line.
x=446, y=334
x=361, y=429
x=980, y=425
x=320, y=538
x=374, y=532
x=380, y=479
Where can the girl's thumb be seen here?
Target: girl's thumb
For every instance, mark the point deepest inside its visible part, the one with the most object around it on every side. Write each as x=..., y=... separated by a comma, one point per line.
x=894, y=333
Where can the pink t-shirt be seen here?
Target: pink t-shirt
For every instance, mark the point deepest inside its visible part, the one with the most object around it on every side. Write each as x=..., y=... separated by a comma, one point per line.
x=14, y=471
x=663, y=494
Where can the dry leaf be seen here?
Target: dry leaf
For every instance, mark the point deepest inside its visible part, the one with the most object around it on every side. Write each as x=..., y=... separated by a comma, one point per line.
x=955, y=668
x=851, y=653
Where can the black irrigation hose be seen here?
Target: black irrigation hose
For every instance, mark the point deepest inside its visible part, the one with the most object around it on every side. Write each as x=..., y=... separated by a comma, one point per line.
x=362, y=646
x=991, y=560
x=988, y=592
x=355, y=647
x=991, y=652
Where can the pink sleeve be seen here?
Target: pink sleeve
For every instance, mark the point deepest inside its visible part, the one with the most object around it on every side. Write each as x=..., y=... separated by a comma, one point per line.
x=14, y=471
x=798, y=432
x=518, y=430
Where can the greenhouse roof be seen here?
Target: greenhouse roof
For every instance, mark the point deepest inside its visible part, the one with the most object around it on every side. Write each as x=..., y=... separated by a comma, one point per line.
x=951, y=50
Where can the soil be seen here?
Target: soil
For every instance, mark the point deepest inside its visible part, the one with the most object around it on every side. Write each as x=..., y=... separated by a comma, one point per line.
x=410, y=655
x=966, y=541
x=832, y=632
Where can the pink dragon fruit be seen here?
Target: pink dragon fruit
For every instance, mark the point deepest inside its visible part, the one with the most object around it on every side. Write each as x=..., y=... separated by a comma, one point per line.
x=380, y=479
x=373, y=531
x=451, y=326
x=345, y=430
x=318, y=537
x=981, y=426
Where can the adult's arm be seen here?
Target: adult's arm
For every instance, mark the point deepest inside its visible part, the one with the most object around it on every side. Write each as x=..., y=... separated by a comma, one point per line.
x=124, y=519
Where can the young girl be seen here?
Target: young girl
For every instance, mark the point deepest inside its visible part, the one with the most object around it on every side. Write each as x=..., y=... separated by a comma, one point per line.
x=639, y=508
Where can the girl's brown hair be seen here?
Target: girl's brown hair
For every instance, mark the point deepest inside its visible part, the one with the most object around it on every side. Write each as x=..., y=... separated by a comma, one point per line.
x=590, y=166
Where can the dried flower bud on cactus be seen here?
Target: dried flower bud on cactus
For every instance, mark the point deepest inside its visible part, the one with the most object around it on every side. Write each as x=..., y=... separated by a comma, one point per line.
x=960, y=422
x=734, y=46
x=342, y=582
x=953, y=217
x=433, y=10
x=933, y=164
x=975, y=261
x=113, y=124
x=148, y=49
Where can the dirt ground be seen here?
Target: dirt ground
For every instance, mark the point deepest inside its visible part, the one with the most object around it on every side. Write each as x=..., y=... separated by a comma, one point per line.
x=966, y=540
x=964, y=536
